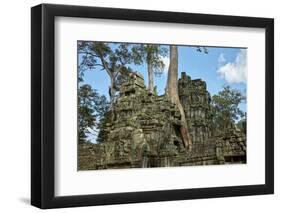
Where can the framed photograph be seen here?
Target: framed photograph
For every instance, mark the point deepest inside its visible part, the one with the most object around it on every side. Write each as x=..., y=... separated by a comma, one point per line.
x=136, y=106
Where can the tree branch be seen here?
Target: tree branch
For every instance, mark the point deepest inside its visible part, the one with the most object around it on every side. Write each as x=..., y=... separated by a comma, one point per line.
x=87, y=53
x=105, y=66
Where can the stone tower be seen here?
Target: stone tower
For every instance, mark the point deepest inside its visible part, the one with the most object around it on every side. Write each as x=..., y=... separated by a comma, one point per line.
x=142, y=130
x=196, y=101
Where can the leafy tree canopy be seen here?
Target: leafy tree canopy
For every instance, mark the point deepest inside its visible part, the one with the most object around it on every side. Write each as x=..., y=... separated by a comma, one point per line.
x=150, y=54
x=226, y=107
x=91, y=109
x=109, y=58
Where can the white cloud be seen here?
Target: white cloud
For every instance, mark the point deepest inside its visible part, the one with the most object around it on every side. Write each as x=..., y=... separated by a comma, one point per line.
x=236, y=71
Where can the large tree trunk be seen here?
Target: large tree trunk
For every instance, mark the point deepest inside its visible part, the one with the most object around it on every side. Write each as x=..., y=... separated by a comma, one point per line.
x=112, y=90
x=150, y=73
x=173, y=96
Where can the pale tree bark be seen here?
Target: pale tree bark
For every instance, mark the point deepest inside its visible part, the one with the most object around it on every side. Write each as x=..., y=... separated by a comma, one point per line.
x=112, y=89
x=173, y=96
x=112, y=75
x=150, y=73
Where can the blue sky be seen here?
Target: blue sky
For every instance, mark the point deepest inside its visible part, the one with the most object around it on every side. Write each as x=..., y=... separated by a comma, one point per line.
x=221, y=66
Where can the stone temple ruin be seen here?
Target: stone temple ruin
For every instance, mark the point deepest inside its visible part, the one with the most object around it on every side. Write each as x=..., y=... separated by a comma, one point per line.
x=142, y=130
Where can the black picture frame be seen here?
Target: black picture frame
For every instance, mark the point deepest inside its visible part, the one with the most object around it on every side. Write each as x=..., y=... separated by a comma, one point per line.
x=43, y=105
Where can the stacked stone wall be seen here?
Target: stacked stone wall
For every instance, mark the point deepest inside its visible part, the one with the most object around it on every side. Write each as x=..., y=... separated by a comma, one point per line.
x=142, y=130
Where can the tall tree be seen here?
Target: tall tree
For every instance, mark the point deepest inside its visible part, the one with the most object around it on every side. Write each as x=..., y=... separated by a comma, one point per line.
x=173, y=96
x=111, y=59
x=86, y=117
x=91, y=109
x=152, y=55
x=226, y=108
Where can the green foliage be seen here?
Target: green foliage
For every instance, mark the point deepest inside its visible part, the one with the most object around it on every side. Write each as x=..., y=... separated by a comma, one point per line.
x=150, y=54
x=100, y=54
x=113, y=59
x=226, y=108
x=91, y=108
x=86, y=116
x=202, y=49
x=102, y=135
